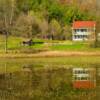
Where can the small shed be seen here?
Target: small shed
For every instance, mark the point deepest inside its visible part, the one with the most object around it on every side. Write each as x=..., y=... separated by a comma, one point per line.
x=84, y=78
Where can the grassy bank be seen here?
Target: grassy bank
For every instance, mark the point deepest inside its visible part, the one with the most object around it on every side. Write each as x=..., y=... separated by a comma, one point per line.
x=71, y=60
x=16, y=64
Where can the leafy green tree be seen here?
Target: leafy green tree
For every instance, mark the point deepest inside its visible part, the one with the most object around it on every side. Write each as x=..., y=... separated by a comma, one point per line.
x=40, y=24
x=55, y=12
x=55, y=29
x=66, y=33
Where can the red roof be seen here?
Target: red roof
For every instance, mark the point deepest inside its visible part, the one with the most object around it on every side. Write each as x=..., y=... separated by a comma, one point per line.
x=84, y=24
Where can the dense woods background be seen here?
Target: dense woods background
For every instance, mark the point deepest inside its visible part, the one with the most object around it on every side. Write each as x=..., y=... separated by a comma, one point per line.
x=50, y=19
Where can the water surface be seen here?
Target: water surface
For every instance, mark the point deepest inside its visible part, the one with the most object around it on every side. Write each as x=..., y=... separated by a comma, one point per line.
x=38, y=79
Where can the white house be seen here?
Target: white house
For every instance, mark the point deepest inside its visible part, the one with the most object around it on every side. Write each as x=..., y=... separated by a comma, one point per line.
x=83, y=30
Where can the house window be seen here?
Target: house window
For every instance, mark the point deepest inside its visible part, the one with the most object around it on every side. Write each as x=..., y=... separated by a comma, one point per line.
x=80, y=30
x=77, y=30
x=83, y=30
x=80, y=36
x=75, y=36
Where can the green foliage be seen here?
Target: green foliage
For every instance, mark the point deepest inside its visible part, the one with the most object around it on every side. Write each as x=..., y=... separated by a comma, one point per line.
x=55, y=12
x=55, y=29
x=34, y=17
x=24, y=5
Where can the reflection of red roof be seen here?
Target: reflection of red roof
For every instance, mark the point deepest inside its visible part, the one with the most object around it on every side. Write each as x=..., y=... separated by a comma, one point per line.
x=84, y=84
x=84, y=24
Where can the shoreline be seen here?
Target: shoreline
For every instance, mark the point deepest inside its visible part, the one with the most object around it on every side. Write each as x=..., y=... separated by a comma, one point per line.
x=49, y=54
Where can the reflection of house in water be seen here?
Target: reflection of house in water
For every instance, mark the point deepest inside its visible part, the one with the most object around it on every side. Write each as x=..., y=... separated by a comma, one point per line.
x=84, y=78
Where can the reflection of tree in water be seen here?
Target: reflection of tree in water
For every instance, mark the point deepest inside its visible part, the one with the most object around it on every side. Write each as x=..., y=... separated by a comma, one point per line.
x=41, y=84
x=15, y=86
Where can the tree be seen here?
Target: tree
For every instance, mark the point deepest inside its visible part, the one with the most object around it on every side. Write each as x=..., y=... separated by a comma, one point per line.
x=55, y=29
x=23, y=26
x=55, y=11
x=44, y=28
x=7, y=17
x=25, y=5
x=67, y=33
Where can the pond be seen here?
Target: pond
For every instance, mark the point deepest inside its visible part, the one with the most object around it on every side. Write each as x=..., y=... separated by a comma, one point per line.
x=43, y=79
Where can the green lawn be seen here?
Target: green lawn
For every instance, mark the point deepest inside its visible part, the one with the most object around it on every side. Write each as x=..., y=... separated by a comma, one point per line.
x=74, y=46
x=15, y=43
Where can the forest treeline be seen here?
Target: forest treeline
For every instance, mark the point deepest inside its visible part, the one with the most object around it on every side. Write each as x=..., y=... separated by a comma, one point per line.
x=50, y=19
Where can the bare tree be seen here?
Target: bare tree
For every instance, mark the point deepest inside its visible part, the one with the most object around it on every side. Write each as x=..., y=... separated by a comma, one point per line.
x=7, y=14
x=23, y=26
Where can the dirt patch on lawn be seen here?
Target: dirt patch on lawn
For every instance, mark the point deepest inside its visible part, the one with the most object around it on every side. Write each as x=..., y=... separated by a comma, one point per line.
x=50, y=54
x=67, y=53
